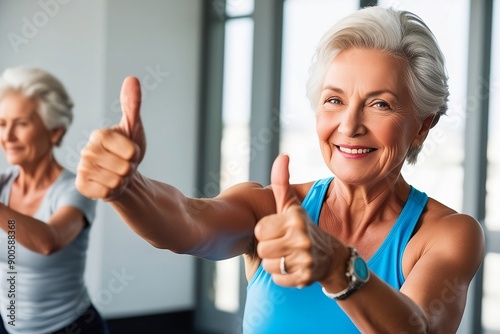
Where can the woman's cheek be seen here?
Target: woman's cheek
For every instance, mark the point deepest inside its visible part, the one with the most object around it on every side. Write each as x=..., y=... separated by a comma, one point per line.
x=325, y=125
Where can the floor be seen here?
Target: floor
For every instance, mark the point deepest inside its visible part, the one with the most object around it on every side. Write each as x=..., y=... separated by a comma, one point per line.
x=169, y=323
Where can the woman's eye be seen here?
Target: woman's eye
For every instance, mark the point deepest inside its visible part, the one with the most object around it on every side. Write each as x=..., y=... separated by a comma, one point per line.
x=334, y=101
x=381, y=105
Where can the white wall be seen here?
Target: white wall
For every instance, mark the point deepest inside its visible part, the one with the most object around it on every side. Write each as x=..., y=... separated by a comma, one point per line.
x=91, y=46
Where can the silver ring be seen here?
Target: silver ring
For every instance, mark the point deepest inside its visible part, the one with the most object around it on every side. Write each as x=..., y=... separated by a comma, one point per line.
x=283, y=266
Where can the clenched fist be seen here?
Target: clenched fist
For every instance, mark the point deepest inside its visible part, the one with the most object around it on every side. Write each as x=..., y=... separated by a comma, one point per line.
x=110, y=159
x=292, y=249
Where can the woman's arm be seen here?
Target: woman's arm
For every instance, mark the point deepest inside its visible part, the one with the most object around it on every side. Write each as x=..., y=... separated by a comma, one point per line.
x=210, y=228
x=45, y=238
x=432, y=299
x=217, y=228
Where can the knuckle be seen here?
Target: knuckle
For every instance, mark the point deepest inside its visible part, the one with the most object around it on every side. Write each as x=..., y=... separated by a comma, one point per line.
x=131, y=151
x=265, y=265
x=80, y=185
x=303, y=242
x=261, y=250
x=123, y=169
x=98, y=136
x=86, y=158
x=115, y=182
x=295, y=221
x=308, y=262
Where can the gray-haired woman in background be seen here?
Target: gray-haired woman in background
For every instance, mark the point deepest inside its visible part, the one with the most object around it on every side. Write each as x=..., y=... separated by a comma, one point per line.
x=44, y=220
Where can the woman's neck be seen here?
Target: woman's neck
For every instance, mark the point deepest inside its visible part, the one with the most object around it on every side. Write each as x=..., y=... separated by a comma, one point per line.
x=366, y=204
x=38, y=176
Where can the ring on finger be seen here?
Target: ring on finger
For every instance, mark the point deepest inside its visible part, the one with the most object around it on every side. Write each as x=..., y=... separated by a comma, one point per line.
x=283, y=266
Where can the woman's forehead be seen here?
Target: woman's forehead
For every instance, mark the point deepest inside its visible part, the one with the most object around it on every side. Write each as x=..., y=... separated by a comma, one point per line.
x=367, y=69
x=17, y=104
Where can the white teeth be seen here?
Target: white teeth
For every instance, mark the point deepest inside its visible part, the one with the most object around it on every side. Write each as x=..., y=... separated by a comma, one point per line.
x=356, y=150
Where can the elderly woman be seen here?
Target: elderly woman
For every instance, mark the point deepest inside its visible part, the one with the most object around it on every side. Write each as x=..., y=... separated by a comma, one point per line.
x=44, y=220
x=363, y=251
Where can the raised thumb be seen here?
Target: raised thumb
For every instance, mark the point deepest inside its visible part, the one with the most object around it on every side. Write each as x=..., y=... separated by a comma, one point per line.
x=130, y=101
x=280, y=182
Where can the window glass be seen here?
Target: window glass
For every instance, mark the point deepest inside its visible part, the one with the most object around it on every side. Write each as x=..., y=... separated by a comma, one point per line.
x=305, y=21
x=493, y=181
x=491, y=293
x=239, y=7
x=235, y=141
x=236, y=102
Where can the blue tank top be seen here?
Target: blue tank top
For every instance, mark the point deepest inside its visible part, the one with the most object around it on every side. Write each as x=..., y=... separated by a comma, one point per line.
x=271, y=308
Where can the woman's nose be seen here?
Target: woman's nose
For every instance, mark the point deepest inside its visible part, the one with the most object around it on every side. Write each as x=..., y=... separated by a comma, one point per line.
x=7, y=133
x=351, y=124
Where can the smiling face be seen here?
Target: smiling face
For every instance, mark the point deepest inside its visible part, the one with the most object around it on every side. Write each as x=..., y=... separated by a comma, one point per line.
x=365, y=120
x=25, y=139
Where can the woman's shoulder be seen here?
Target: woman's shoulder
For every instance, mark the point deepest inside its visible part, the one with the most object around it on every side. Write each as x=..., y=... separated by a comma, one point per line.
x=444, y=226
x=438, y=216
x=440, y=213
x=8, y=174
x=446, y=234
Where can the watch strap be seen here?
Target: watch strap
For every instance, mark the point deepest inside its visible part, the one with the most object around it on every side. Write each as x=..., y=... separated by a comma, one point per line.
x=354, y=285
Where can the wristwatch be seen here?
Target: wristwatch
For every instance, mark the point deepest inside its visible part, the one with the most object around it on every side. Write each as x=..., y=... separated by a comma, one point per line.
x=357, y=274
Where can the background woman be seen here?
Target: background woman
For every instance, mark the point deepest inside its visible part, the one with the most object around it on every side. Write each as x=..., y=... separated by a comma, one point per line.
x=44, y=220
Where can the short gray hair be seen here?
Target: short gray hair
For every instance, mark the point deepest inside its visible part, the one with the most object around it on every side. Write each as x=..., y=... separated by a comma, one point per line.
x=401, y=34
x=54, y=104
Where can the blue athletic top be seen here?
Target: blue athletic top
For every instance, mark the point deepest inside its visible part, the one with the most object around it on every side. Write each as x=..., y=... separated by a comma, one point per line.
x=274, y=309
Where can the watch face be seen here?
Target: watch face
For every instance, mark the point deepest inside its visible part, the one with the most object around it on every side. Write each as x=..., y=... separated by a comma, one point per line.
x=361, y=269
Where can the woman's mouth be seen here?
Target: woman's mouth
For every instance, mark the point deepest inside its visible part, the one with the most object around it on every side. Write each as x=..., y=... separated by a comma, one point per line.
x=355, y=150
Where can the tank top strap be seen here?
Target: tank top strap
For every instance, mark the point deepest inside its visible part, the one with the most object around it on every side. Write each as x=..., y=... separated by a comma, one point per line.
x=313, y=201
x=392, y=249
x=413, y=209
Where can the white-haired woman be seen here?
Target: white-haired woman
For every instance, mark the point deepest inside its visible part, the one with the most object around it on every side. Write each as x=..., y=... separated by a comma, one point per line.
x=363, y=251
x=44, y=220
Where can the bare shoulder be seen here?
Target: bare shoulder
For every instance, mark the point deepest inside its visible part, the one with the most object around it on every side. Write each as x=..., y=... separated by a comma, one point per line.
x=446, y=223
x=456, y=237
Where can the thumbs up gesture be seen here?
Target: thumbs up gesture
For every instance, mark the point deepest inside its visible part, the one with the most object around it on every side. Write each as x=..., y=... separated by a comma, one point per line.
x=292, y=249
x=131, y=124
x=110, y=158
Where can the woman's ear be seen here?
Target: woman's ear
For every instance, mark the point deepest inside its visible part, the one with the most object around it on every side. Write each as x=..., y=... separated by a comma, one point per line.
x=56, y=135
x=427, y=124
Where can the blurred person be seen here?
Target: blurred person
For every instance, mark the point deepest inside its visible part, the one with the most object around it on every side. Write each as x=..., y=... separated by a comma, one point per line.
x=360, y=251
x=44, y=220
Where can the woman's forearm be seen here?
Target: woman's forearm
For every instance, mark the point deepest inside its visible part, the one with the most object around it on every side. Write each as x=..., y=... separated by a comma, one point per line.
x=32, y=233
x=168, y=219
x=155, y=211
x=378, y=308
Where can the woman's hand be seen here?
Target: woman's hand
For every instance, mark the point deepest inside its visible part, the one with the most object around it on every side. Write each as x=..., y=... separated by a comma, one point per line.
x=109, y=160
x=310, y=254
